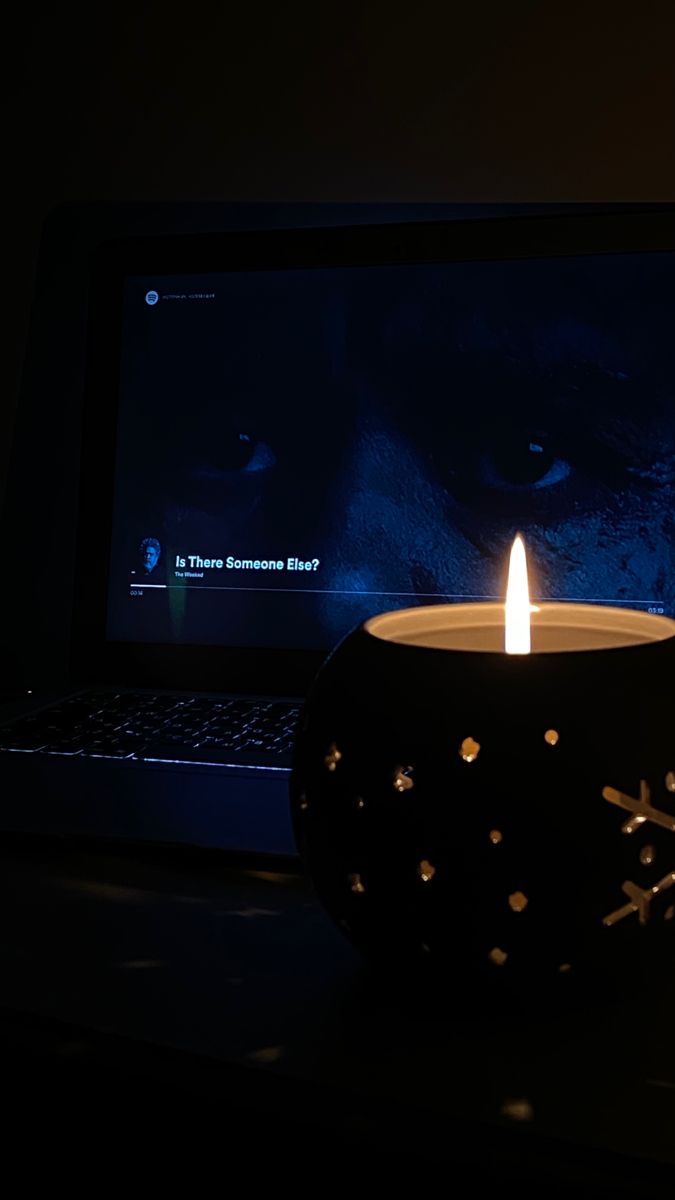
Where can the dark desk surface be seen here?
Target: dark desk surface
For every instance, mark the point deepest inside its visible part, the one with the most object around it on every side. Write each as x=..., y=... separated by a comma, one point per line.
x=139, y=959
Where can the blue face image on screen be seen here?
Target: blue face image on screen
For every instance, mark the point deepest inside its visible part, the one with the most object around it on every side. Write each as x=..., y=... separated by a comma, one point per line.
x=310, y=447
x=150, y=552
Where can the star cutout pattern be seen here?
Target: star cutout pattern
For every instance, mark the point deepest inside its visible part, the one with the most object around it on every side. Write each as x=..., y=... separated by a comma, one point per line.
x=642, y=810
x=639, y=900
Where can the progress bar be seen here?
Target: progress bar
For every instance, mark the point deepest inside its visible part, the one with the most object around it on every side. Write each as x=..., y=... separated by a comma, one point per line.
x=448, y=596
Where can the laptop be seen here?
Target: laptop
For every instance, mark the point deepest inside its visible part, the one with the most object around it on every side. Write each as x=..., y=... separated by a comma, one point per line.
x=286, y=431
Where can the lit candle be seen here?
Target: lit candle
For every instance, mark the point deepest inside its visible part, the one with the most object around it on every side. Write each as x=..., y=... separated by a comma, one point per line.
x=519, y=627
x=490, y=789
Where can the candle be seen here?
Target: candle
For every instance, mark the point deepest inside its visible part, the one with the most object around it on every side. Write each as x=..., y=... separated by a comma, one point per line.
x=519, y=627
x=489, y=788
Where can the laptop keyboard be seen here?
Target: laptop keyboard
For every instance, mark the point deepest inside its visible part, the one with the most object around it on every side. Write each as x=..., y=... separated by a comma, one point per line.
x=160, y=728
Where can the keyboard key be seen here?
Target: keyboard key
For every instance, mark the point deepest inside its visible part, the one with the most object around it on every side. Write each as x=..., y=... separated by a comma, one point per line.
x=26, y=744
x=109, y=752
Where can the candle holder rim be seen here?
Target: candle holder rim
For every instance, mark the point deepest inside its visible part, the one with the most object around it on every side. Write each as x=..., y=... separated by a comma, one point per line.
x=425, y=620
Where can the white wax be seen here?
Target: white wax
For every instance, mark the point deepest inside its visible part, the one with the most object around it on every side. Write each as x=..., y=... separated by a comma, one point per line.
x=555, y=627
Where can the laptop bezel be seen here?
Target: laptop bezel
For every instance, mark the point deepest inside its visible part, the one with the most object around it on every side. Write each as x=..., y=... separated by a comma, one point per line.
x=270, y=670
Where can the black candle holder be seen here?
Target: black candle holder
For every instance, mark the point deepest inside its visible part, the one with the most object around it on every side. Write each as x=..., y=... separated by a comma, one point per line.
x=505, y=818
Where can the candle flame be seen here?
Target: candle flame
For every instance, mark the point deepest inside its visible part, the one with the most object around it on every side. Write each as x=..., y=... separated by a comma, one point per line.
x=517, y=614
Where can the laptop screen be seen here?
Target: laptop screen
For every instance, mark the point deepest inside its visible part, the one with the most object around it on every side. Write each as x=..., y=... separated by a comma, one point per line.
x=300, y=449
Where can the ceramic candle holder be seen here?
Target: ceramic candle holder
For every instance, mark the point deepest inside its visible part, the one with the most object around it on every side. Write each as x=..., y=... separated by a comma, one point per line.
x=507, y=816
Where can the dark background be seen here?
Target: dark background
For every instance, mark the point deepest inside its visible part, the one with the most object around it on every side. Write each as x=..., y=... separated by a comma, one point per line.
x=282, y=102
x=353, y=103
x=349, y=102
